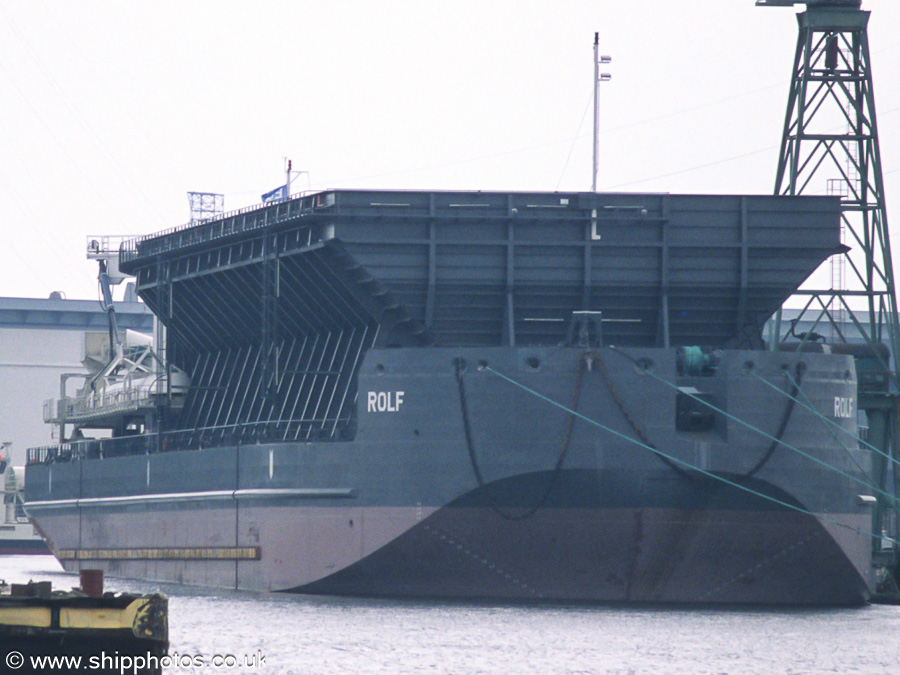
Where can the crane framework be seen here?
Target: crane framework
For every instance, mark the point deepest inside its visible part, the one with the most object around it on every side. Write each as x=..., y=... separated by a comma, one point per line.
x=830, y=141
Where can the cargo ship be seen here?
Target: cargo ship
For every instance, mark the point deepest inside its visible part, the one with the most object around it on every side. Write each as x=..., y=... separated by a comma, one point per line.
x=511, y=396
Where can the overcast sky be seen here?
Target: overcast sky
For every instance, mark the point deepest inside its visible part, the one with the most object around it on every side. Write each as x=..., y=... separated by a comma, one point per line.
x=110, y=112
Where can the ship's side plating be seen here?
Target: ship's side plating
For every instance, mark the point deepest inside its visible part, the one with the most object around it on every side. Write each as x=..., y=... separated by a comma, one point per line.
x=427, y=416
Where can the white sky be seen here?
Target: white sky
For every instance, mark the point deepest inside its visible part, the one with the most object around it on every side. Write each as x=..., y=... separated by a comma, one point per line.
x=110, y=112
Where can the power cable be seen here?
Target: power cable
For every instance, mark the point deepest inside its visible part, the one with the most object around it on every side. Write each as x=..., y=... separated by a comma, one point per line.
x=576, y=138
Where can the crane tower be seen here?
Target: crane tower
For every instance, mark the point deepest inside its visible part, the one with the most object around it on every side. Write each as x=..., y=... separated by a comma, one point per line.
x=830, y=145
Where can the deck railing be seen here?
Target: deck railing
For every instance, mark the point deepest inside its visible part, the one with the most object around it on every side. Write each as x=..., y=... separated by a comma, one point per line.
x=254, y=433
x=74, y=408
x=242, y=220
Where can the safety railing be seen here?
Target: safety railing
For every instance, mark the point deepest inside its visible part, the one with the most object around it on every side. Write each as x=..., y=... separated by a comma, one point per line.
x=193, y=439
x=242, y=220
x=103, y=402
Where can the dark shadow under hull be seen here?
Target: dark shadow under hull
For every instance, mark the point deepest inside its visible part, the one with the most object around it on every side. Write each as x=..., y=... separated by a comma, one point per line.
x=690, y=542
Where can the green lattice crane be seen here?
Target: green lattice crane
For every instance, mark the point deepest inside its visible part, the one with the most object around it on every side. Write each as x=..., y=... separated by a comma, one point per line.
x=830, y=141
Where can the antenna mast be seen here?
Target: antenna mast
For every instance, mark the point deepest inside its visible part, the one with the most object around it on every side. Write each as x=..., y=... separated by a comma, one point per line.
x=598, y=78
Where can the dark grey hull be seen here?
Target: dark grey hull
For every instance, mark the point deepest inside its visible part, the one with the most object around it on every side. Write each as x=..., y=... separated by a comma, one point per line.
x=525, y=508
x=23, y=547
x=735, y=551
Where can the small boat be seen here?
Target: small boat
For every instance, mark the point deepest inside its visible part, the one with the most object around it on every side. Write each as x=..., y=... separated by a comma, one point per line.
x=46, y=631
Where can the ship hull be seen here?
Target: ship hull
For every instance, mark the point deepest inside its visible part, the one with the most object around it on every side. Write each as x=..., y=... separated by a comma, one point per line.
x=611, y=555
x=20, y=539
x=678, y=547
x=659, y=556
x=465, y=487
x=23, y=548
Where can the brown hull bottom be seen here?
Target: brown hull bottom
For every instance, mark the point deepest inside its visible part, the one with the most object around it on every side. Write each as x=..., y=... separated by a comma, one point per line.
x=640, y=555
x=676, y=542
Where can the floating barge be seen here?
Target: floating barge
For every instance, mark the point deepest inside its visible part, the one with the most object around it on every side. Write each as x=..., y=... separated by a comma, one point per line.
x=522, y=396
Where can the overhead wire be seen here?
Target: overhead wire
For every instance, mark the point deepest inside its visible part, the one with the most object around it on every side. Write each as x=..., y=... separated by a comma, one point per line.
x=574, y=140
x=717, y=162
x=51, y=242
x=634, y=123
x=689, y=169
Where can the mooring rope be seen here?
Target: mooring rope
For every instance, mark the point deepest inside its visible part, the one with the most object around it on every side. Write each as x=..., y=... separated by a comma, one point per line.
x=830, y=426
x=830, y=423
x=637, y=430
x=783, y=443
x=688, y=465
x=557, y=469
x=785, y=418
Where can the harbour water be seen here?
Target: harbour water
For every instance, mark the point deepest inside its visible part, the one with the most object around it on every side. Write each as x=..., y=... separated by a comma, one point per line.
x=219, y=632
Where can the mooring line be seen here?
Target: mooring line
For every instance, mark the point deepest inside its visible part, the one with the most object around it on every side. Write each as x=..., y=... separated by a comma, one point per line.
x=721, y=479
x=473, y=459
x=834, y=424
x=785, y=419
x=831, y=426
x=628, y=418
x=756, y=429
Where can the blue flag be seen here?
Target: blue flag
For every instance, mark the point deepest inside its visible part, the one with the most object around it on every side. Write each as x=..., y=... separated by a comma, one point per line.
x=276, y=195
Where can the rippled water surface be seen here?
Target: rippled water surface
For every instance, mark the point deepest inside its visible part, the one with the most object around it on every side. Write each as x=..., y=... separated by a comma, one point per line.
x=298, y=635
